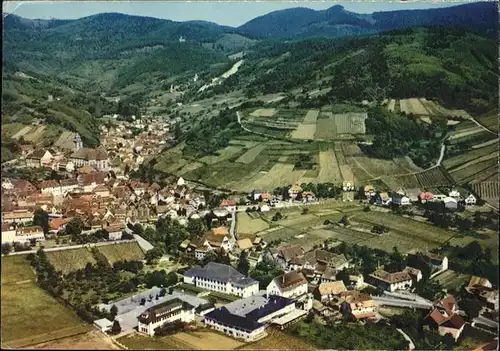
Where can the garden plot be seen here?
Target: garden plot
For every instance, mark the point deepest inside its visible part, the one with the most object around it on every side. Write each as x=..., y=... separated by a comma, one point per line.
x=264, y=112
x=329, y=171
x=251, y=154
x=21, y=133
x=413, y=106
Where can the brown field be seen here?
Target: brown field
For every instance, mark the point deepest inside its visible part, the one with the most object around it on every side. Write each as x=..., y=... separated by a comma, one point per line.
x=224, y=154
x=246, y=225
x=325, y=129
x=264, y=112
x=413, y=106
x=329, y=169
x=304, y=131
x=278, y=340
x=29, y=314
x=119, y=252
x=93, y=340
x=434, y=177
x=251, y=154
x=194, y=340
x=405, y=181
x=377, y=167
x=66, y=261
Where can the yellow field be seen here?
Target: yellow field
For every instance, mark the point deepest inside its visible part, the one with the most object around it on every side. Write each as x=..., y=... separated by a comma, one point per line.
x=329, y=169
x=21, y=133
x=304, y=131
x=279, y=174
x=246, y=225
x=264, y=112
x=251, y=154
x=93, y=340
x=65, y=141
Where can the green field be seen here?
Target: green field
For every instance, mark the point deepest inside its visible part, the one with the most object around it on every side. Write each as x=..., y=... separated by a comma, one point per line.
x=246, y=225
x=29, y=314
x=451, y=280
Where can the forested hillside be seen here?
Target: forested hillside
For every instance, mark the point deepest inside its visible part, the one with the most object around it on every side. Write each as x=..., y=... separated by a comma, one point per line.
x=453, y=66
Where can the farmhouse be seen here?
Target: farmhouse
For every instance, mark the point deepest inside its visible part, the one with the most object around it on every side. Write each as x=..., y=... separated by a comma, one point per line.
x=445, y=318
x=248, y=318
x=221, y=278
x=390, y=281
x=454, y=194
x=104, y=325
x=40, y=158
x=326, y=291
x=294, y=190
x=470, y=200
x=413, y=194
x=426, y=196
x=382, y=199
x=290, y=285
x=164, y=313
x=400, y=200
x=347, y=185
x=229, y=204
x=415, y=274
x=359, y=305
x=369, y=191
x=437, y=263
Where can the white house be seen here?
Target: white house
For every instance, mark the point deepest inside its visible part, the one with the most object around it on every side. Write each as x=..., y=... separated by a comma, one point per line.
x=221, y=278
x=390, y=281
x=164, y=313
x=470, y=200
x=26, y=234
x=265, y=208
x=454, y=193
x=181, y=182
x=8, y=233
x=290, y=285
x=400, y=200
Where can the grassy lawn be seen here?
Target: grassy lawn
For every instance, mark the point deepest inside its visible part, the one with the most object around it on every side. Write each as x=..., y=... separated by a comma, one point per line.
x=29, y=314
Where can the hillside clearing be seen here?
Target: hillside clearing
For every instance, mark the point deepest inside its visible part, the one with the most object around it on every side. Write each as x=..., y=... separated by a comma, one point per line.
x=251, y=154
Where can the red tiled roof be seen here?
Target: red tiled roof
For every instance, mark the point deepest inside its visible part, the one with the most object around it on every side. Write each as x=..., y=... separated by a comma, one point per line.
x=56, y=223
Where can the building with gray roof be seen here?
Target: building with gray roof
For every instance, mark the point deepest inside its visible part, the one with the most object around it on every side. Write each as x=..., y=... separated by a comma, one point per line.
x=221, y=278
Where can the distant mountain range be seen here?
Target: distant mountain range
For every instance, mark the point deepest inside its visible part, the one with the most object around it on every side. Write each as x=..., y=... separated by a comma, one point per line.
x=300, y=23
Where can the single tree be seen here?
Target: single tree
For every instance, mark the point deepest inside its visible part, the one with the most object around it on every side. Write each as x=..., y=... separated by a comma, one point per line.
x=113, y=311
x=243, y=264
x=116, y=328
x=41, y=218
x=6, y=247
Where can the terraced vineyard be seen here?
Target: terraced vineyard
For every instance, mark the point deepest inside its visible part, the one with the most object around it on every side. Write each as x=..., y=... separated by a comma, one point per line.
x=487, y=190
x=67, y=261
x=120, y=252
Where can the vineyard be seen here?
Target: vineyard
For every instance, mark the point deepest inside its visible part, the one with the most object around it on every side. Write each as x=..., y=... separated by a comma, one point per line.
x=120, y=252
x=435, y=177
x=487, y=190
x=67, y=261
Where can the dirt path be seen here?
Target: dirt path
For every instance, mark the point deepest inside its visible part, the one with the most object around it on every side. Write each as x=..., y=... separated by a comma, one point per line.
x=363, y=168
x=480, y=125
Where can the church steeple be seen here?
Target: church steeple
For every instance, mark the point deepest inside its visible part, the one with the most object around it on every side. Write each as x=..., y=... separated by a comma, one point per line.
x=78, y=142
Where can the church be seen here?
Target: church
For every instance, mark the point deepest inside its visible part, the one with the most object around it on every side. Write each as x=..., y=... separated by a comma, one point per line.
x=82, y=156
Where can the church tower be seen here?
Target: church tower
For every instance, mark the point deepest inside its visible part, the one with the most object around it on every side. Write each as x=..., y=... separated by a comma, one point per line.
x=78, y=142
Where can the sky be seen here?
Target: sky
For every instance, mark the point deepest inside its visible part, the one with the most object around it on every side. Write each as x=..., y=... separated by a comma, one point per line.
x=228, y=13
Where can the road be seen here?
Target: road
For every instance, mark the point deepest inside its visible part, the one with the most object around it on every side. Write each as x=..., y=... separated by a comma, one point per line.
x=388, y=301
x=243, y=208
x=407, y=296
x=407, y=338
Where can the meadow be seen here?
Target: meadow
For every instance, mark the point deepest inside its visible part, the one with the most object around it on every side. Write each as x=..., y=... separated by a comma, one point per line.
x=23, y=313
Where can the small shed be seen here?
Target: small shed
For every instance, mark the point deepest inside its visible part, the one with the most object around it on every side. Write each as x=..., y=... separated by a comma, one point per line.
x=103, y=324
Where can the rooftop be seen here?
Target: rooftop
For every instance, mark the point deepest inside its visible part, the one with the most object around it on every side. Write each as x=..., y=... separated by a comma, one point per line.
x=220, y=272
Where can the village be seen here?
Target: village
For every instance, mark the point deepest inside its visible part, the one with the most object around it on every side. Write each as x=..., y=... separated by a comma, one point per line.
x=239, y=285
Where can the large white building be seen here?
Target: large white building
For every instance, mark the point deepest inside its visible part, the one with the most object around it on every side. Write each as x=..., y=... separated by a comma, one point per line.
x=248, y=318
x=290, y=285
x=391, y=281
x=164, y=313
x=96, y=158
x=221, y=278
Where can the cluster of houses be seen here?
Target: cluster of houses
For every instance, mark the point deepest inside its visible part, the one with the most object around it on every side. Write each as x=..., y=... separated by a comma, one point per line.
x=406, y=197
x=100, y=201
